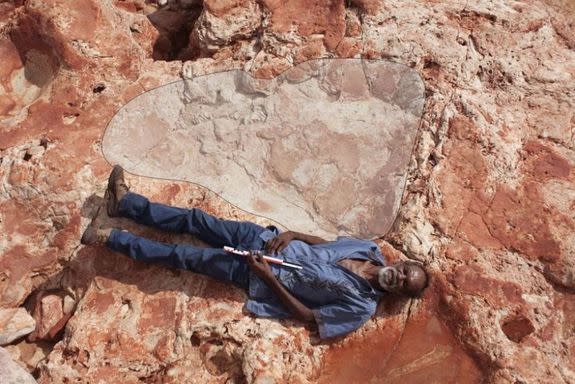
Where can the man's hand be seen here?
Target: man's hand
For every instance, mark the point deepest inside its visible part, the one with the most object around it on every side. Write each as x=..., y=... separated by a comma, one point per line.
x=278, y=243
x=260, y=267
x=263, y=270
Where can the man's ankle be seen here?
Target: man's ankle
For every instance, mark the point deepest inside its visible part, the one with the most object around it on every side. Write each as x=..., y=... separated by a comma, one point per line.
x=104, y=234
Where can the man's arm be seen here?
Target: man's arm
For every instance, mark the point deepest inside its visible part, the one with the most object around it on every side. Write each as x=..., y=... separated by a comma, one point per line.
x=311, y=240
x=296, y=307
x=278, y=243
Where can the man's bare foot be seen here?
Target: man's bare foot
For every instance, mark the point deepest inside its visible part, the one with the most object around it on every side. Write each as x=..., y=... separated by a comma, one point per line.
x=95, y=234
x=117, y=188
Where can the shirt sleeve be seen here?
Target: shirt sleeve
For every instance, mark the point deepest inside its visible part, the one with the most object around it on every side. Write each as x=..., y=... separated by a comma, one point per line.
x=342, y=317
x=368, y=248
x=267, y=307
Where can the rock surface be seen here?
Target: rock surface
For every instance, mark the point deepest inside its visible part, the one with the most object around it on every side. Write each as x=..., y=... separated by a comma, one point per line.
x=488, y=201
x=14, y=324
x=11, y=372
x=30, y=354
x=51, y=310
x=324, y=147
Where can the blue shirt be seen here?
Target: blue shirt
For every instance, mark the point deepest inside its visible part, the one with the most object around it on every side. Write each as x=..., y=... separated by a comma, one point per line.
x=341, y=300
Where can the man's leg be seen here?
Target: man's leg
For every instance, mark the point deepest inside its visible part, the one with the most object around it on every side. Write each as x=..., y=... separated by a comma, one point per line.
x=212, y=262
x=216, y=232
x=210, y=229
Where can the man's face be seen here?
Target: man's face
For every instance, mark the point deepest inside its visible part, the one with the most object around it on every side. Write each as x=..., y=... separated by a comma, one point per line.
x=402, y=278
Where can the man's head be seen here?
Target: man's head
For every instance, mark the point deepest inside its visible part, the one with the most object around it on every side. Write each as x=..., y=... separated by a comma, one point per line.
x=406, y=278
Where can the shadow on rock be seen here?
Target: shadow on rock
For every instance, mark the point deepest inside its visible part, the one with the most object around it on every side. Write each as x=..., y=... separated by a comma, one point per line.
x=174, y=27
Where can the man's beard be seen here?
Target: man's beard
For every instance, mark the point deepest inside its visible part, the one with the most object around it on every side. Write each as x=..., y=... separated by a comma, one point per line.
x=382, y=277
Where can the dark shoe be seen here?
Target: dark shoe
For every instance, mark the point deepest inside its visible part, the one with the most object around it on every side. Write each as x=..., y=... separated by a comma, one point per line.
x=95, y=234
x=117, y=188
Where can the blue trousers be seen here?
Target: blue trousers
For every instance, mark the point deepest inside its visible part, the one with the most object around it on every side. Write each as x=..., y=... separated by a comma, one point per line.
x=214, y=262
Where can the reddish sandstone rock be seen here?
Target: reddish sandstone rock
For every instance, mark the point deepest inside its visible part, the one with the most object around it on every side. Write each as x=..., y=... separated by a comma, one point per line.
x=487, y=206
x=11, y=372
x=51, y=310
x=516, y=328
x=33, y=154
x=223, y=23
x=319, y=17
x=14, y=324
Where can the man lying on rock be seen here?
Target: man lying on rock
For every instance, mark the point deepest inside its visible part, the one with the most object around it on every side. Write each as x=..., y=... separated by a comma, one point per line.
x=337, y=289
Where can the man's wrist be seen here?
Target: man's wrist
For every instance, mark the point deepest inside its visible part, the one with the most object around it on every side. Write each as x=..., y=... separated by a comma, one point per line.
x=269, y=278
